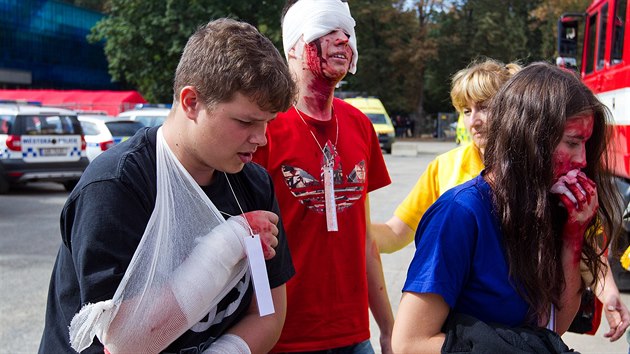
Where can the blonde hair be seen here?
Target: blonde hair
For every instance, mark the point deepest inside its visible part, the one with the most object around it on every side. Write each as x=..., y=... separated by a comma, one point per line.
x=480, y=81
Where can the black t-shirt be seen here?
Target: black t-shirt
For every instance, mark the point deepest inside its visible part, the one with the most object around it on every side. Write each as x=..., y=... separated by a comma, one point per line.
x=103, y=221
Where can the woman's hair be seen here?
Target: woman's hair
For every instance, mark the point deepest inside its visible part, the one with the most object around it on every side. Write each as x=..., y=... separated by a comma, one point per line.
x=480, y=81
x=526, y=119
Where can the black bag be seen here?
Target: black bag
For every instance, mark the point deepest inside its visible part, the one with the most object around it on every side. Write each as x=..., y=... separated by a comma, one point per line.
x=583, y=321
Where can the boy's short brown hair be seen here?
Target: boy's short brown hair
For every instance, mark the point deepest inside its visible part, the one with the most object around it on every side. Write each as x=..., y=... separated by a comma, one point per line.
x=227, y=56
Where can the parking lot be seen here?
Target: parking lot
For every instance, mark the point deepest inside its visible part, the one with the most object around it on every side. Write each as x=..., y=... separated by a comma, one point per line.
x=29, y=220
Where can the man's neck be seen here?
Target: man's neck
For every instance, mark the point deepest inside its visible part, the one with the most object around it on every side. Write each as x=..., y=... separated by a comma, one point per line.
x=316, y=98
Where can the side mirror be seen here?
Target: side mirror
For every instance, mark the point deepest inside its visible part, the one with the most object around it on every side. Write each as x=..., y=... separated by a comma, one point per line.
x=568, y=40
x=567, y=62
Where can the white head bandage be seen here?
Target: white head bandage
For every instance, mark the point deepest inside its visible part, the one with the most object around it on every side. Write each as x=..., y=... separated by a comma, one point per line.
x=312, y=19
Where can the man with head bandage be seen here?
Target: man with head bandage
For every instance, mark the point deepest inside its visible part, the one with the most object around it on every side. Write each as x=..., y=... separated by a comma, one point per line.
x=311, y=19
x=324, y=158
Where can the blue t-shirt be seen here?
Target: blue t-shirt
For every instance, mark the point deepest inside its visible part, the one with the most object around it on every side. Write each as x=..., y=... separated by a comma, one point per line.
x=460, y=256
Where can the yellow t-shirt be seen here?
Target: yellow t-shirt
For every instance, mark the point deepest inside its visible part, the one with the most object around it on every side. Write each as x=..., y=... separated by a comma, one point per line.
x=625, y=259
x=445, y=172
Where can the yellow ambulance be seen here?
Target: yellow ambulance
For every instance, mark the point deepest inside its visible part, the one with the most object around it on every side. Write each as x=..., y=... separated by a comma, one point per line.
x=374, y=109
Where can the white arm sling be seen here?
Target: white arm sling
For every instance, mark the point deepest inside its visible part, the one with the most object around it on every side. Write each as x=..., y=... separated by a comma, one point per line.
x=188, y=259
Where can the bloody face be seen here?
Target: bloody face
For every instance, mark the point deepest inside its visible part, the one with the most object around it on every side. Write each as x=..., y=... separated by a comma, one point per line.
x=570, y=153
x=329, y=57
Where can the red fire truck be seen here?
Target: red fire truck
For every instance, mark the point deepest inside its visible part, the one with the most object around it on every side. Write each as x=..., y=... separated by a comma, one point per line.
x=597, y=44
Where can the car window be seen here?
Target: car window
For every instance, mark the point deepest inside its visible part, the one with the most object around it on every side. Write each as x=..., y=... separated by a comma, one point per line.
x=48, y=125
x=123, y=128
x=150, y=121
x=377, y=118
x=89, y=128
x=5, y=124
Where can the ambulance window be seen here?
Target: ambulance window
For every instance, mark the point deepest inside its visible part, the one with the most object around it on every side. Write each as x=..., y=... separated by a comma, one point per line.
x=619, y=26
x=377, y=118
x=590, y=45
x=601, y=45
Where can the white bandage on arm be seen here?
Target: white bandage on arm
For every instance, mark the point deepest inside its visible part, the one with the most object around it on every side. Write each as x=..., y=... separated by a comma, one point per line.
x=204, y=275
x=228, y=344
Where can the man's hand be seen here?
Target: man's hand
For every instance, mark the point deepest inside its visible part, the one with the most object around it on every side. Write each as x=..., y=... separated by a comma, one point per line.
x=264, y=223
x=386, y=343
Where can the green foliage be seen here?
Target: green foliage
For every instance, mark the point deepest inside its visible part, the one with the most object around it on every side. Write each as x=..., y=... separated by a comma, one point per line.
x=393, y=50
x=408, y=50
x=501, y=29
x=144, y=38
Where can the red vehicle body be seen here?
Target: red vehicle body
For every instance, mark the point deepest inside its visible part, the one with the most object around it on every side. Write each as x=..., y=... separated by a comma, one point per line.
x=600, y=51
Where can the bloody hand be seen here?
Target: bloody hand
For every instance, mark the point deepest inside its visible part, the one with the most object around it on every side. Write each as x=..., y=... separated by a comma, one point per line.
x=581, y=203
x=264, y=224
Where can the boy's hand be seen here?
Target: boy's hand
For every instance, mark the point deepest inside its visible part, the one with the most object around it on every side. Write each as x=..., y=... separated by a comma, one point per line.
x=264, y=223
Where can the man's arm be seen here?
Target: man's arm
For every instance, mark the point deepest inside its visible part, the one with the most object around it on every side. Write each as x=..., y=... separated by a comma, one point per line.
x=262, y=333
x=377, y=290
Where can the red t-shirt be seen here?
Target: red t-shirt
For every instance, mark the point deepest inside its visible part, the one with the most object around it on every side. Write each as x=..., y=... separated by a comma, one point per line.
x=327, y=301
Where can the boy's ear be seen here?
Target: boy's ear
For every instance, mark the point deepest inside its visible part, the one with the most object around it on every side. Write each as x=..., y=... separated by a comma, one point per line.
x=189, y=100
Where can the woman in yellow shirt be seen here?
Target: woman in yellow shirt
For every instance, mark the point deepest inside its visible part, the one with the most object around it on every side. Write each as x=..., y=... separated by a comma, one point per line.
x=471, y=90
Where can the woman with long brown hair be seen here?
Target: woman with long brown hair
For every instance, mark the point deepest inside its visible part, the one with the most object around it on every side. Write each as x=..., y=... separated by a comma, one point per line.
x=523, y=225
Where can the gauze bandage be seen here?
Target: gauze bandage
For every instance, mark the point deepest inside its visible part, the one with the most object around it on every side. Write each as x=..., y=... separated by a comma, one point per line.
x=312, y=19
x=202, y=276
x=188, y=259
x=570, y=178
x=228, y=344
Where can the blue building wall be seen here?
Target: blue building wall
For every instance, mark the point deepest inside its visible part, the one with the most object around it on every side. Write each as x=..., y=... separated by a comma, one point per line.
x=48, y=39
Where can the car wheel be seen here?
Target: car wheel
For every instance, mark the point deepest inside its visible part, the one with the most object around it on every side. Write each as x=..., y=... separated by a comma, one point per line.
x=69, y=185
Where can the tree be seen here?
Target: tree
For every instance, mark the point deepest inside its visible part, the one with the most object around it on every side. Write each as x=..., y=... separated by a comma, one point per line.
x=381, y=31
x=393, y=50
x=547, y=15
x=144, y=38
x=504, y=30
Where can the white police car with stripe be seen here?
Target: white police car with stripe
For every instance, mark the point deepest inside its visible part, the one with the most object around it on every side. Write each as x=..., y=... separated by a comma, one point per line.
x=40, y=144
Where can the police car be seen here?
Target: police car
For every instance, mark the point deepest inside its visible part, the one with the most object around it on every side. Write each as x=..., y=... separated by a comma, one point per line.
x=40, y=144
x=102, y=132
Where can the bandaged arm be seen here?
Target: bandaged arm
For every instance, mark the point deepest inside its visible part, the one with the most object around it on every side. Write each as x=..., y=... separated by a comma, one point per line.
x=194, y=287
x=261, y=333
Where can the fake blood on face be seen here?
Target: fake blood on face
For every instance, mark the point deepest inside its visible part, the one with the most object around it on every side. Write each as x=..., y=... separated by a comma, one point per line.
x=326, y=73
x=570, y=154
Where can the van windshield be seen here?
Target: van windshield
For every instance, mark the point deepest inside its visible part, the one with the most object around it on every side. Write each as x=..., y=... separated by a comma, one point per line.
x=377, y=118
